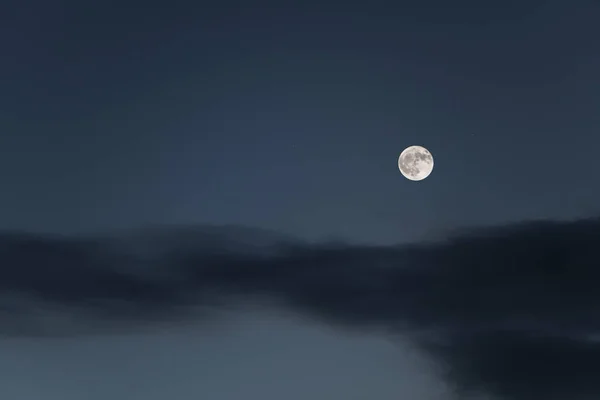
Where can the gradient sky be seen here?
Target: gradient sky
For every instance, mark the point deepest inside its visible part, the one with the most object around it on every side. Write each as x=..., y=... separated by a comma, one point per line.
x=289, y=117
x=256, y=357
x=292, y=117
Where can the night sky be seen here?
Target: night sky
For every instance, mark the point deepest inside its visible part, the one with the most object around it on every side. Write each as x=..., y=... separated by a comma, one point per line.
x=292, y=117
x=285, y=117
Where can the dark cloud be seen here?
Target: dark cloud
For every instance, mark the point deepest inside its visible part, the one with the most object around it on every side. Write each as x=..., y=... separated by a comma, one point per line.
x=505, y=310
x=517, y=365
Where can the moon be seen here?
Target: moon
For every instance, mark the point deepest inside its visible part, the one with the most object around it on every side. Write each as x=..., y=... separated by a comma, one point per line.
x=415, y=163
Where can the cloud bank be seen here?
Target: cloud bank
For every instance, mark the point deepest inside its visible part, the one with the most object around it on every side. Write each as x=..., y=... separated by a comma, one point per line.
x=509, y=312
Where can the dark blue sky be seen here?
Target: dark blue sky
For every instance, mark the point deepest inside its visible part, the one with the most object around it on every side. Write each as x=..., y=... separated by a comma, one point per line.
x=292, y=116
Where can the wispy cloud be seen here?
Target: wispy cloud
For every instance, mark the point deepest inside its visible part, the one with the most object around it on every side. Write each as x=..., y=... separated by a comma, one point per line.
x=500, y=308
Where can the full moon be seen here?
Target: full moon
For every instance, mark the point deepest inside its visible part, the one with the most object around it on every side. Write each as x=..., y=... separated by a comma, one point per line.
x=415, y=163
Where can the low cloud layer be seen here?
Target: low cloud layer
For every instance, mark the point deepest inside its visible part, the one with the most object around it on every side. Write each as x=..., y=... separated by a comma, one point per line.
x=508, y=311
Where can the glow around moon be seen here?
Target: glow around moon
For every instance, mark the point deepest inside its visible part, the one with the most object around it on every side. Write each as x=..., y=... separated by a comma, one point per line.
x=415, y=163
